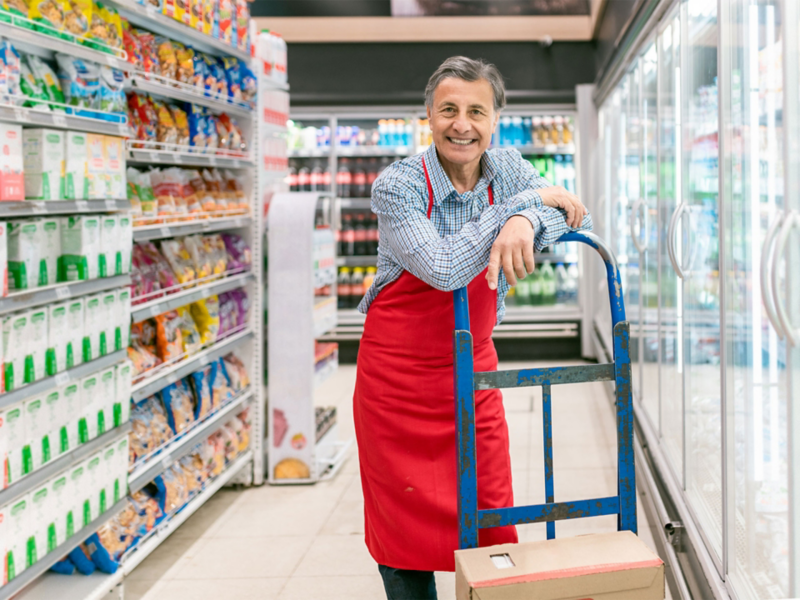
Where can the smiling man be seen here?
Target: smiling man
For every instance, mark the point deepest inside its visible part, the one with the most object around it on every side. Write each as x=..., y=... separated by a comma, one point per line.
x=455, y=215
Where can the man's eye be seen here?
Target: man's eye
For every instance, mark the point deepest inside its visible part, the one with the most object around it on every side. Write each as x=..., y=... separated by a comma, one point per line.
x=476, y=112
x=449, y=110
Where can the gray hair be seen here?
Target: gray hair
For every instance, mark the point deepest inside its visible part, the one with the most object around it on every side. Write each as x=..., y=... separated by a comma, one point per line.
x=468, y=69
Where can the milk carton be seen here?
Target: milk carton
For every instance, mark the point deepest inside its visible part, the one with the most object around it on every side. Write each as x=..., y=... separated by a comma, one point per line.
x=76, y=182
x=125, y=242
x=58, y=336
x=50, y=252
x=60, y=507
x=80, y=512
x=39, y=523
x=108, y=331
x=122, y=403
x=37, y=344
x=4, y=257
x=18, y=532
x=107, y=396
x=17, y=454
x=15, y=349
x=122, y=317
x=97, y=171
x=110, y=486
x=76, y=340
x=43, y=162
x=91, y=408
x=3, y=457
x=72, y=400
x=110, y=259
x=57, y=437
x=4, y=516
x=36, y=431
x=80, y=248
x=93, y=327
x=24, y=253
x=94, y=485
x=12, y=180
x=120, y=470
x=115, y=167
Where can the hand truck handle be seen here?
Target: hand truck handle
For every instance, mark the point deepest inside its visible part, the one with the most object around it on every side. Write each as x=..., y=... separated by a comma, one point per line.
x=461, y=302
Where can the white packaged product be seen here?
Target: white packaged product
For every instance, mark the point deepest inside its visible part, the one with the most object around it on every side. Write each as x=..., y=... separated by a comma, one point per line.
x=72, y=400
x=94, y=484
x=36, y=431
x=24, y=253
x=60, y=507
x=125, y=241
x=50, y=253
x=107, y=396
x=76, y=336
x=91, y=408
x=80, y=248
x=17, y=461
x=120, y=472
x=122, y=406
x=15, y=349
x=76, y=183
x=93, y=327
x=4, y=258
x=108, y=335
x=56, y=438
x=37, y=344
x=3, y=542
x=109, y=259
x=18, y=531
x=39, y=522
x=110, y=486
x=43, y=162
x=58, y=336
x=3, y=456
x=115, y=165
x=80, y=505
x=97, y=172
x=123, y=318
x=12, y=180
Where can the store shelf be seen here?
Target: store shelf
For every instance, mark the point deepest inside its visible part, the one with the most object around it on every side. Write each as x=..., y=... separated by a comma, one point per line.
x=58, y=589
x=272, y=129
x=178, y=448
x=325, y=373
x=356, y=203
x=188, y=159
x=374, y=151
x=20, y=115
x=61, y=464
x=34, y=208
x=153, y=20
x=185, y=93
x=310, y=152
x=542, y=314
x=157, y=306
x=181, y=228
x=164, y=377
x=48, y=383
x=61, y=291
x=356, y=261
x=542, y=150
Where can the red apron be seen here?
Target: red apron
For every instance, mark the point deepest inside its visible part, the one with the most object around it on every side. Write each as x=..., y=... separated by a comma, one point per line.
x=404, y=413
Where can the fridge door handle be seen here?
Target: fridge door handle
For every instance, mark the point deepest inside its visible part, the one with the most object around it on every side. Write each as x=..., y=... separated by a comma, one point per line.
x=791, y=221
x=673, y=225
x=767, y=263
x=635, y=235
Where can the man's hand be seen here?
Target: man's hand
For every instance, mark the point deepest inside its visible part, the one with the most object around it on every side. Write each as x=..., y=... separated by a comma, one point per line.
x=512, y=250
x=558, y=197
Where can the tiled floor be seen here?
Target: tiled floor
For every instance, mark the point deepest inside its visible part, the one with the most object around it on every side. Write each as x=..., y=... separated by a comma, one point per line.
x=307, y=542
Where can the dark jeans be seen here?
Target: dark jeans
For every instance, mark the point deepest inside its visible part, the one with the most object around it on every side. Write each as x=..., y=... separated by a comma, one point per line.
x=402, y=584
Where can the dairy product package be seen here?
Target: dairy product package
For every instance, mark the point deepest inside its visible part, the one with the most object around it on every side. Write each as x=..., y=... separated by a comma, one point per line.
x=109, y=324
x=122, y=317
x=91, y=408
x=18, y=454
x=93, y=327
x=107, y=396
x=40, y=525
x=110, y=486
x=3, y=457
x=125, y=242
x=4, y=258
x=72, y=401
x=76, y=335
x=55, y=423
x=24, y=253
x=120, y=472
x=18, y=530
x=15, y=349
x=96, y=172
x=36, y=431
x=76, y=182
x=115, y=165
x=50, y=237
x=3, y=543
x=37, y=342
x=43, y=162
x=94, y=484
x=12, y=180
x=80, y=248
x=122, y=404
x=60, y=507
x=58, y=336
x=110, y=260
x=80, y=504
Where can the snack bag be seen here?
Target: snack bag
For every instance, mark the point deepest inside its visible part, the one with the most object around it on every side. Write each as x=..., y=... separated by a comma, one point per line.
x=214, y=183
x=164, y=274
x=166, y=132
x=230, y=442
x=206, y=316
x=10, y=69
x=212, y=453
x=177, y=494
x=181, y=262
x=16, y=8
x=132, y=46
x=226, y=21
x=193, y=474
x=75, y=21
x=167, y=60
x=234, y=187
x=249, y=85
x=212, y=135
x=167, y=191
x=243, y=303
x=219, y=256
x=79, y=81
x=233, y=75
x=181, y=121
x=223, y=135
x=47, y=78
x=198, y=72
x=216, y=83
x=178, y=402
x=111, y=95
x=201, y=386
x=239, y=255
x=197, y=128
x=188, y=198
x=236, y=140
x=146, y=114
x=168, y=336
x=113, y=25
x=49, y=14
x=205, y=199
x=201, y=255
x=227, y=316
x=236, y=371
x=133, y=195
x=32, y=88
x=147, y=42
x=98, y=36
x=185, y=63
x=192, y=343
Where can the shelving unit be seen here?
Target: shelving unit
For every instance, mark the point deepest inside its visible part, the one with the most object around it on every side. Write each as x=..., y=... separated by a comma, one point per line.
x=182, y=228
x=35, y=208
x=60, y=291
x=174, y=90
x=34, y=118
x=184, y=157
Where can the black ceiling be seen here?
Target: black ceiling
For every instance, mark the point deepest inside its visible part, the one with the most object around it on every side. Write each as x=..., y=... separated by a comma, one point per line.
x=383, y=8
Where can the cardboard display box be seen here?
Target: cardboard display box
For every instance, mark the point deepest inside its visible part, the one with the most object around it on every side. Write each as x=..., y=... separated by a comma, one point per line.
x=603, y=566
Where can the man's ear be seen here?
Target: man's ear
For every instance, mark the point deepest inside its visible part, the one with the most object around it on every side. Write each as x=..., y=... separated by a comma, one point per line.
x=428, y=110
x=496, y=121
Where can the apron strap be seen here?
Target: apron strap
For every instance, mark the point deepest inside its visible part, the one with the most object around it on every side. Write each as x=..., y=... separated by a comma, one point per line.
x=430, y=191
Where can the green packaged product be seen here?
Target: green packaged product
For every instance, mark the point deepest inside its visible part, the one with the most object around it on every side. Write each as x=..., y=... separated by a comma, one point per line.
x=32, y=88
x=47, y=78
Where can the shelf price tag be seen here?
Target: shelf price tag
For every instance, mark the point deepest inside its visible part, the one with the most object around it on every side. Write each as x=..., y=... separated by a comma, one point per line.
x=236, y=163
x=59, y=120
x=166, y=461
x=172, y=378
x=178, y=158
x=62, y=378
x=154, y=157
x=154, y=310
x=204, y=360
x=81, y=205
x=38, y=207
x=63, y=292
x=212, y=159
x=122, y=129
x=111, y=205
x=165, y=232
x=21, y=115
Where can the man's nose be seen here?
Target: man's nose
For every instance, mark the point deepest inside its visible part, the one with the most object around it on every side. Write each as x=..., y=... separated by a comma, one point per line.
x=461, y=124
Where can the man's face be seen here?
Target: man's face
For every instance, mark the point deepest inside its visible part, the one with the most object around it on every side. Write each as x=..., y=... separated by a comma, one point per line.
x=462, y=119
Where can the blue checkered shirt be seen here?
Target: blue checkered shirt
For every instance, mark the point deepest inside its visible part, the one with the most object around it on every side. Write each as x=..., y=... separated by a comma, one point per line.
x=452, y=248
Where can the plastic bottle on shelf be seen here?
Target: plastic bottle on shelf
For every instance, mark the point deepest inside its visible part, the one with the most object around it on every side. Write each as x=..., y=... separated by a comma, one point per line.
x=373, y=169
x=326, y=177
x=369, y=277
x=316, y=177
x=344, y=179
x=558, y=130
x=535, y=295
x=343, y=288
x=566, y=134
x=408, y=138
x=356, y=287
x=504, y=128
x=569, y=176
x=561, y=284
x=572, y=283
x=547, y=128
x=360, y=234
x=559, y=174
x=538, y=136
x=383, y=133
x=348, y=239
x=373, y=234
x=292, y=177
x=304, y=179
x=518, y=135
x=359, y=187
x=279, y=53
x=548, y=284
x=522, y=293
x=526, y=131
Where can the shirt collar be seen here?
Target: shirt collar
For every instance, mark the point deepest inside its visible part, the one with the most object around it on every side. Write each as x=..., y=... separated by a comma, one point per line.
x=442, y=186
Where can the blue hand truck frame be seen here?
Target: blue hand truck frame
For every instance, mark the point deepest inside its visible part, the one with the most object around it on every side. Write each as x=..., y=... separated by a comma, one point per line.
x=466, y=382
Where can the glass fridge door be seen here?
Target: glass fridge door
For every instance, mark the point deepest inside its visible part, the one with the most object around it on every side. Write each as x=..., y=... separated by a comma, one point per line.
x=701, y=337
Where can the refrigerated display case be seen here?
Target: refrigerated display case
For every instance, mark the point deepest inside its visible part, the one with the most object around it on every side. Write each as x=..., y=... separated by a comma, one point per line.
x=699, y=145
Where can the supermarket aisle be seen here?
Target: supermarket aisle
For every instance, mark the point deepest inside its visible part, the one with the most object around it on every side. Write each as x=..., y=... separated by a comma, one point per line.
x=306, y=542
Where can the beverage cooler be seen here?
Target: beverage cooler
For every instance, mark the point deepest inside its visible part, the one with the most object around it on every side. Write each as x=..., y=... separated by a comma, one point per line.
x=695, y=182
x=342, y=151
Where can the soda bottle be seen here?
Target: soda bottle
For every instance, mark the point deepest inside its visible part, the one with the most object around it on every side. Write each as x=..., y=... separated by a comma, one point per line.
x=369, y=277
x=292, y=179
x=372, y=174
x=360, y=228
x=359, y=187
x=562, y=287
x=348, y=242
x=373, y=235
x=572, y=284
x=548, y=284
x=522, y=293
x=536, y=287
x=343, y=288
x=344, y=179
x=326, y=179
x=304, y=179
x=316, y=177
x=356, y=287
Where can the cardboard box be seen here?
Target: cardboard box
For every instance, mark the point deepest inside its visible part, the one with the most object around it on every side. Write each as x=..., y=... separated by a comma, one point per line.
x=43, y=162
x=91, y=408
x=109, y=485
x=122, y=405
x=15, y=349
x=18, y=532
x=58, y=337
x=38, y=324
x=55, y=423
x=80, y=248
x=108, y=331
x=115, y=165
x=603, y=566
x=50, y=237
x=4, y=516
x=16, y=453
x=60, y=507
x=12, y=180
x=72, y=400
x=76, y=335
x=94, y=484
x=80, y=506
x=107, y=396
x=110, y=259
x=3, y=455
x=125, y=242
x=76, y=182
x=40, y=525
x=36, y=431
x=24, y=253
x=93, y=327
x=4, y=257
x=97, y=170
x=122, y=317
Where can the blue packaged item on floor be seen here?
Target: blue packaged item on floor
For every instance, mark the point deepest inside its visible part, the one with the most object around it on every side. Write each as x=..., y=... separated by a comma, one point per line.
x=101, y=558
x=82, y=561
x=63, y=567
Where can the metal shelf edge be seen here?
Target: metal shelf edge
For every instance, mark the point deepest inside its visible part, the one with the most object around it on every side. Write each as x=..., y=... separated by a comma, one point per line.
x=28, y=116
x=158, y=89
x=148, y=157
x=24, y=208
x=61, y=291
x=189, y=227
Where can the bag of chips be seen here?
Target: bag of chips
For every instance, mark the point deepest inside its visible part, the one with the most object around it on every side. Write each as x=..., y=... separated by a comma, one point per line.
x=166, y=131
x=165, y=191
x=167, y=60
x=111, y=94
x=239, y=255
x=181, y=124
x=32, y=88
x=147, y=42
x=192, y=343
x=177, y=493
x=205, y=313
x=48, y=79
x=181, y=262
x=113, y=25
x=75, y=21
x=221, y=390
x=132, y=46
x=49, y=16
x=198, y=72
x=237, y=372
x=234, y=140
x=185, y=63
x=178, y=402
x=79, y=81
x=201, y=386
x=197, y=128
x=206, y=200
x=99, y=34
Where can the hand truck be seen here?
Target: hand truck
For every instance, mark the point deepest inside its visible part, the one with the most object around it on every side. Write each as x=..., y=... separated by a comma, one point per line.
x=466, y=381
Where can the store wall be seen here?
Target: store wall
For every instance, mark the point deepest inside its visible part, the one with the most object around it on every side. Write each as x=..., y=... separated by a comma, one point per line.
x=347, y=74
